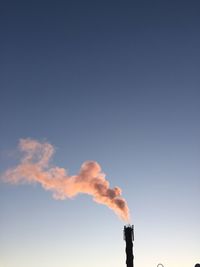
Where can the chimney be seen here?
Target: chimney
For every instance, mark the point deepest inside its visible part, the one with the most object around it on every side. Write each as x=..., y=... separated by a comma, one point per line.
x=129, y=237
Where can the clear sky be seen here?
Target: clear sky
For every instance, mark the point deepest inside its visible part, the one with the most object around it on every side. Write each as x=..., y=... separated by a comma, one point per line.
x=117, y=82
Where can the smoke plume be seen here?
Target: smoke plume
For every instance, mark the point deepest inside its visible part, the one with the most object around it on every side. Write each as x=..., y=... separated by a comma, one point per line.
x=34, y=167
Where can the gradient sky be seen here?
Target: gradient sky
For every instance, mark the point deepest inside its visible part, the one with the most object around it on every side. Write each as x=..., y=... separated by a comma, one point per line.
x=113, y=81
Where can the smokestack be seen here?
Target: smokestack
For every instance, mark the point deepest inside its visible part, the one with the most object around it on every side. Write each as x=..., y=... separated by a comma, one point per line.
x=129, y=237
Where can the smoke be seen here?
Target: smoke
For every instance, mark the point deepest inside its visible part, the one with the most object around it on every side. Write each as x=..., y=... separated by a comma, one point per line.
x=34, y=167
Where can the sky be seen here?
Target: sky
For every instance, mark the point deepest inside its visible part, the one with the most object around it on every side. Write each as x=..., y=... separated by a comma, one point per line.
x=116, y=82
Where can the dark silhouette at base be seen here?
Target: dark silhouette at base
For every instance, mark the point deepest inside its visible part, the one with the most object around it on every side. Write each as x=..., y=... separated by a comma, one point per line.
x=129, y=237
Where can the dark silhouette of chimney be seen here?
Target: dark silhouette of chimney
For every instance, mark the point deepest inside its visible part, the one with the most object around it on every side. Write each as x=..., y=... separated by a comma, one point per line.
x=129, y=237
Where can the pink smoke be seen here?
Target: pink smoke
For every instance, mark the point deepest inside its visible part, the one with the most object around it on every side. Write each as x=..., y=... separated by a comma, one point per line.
x=34, y=167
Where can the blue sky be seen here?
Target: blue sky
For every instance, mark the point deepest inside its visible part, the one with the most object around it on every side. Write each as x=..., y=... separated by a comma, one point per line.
x=111, y=81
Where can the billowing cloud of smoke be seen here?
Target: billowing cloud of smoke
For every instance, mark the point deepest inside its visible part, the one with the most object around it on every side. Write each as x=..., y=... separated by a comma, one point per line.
x=34, y=167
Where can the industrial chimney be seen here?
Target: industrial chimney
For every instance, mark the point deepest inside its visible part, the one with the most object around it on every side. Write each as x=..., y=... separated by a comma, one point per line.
x=129, y=237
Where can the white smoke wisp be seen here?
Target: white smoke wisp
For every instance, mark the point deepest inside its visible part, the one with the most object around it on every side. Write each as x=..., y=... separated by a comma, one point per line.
x=34, y=167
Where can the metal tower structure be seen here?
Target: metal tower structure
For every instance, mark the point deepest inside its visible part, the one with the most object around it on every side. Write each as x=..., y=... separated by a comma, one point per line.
x=129, y=238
